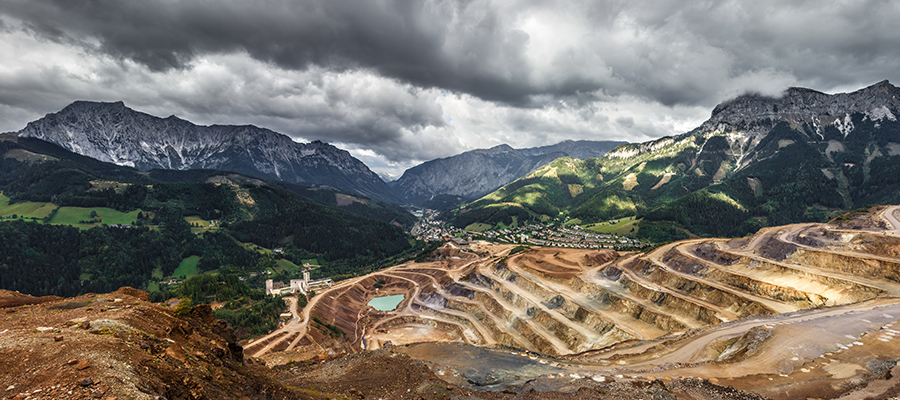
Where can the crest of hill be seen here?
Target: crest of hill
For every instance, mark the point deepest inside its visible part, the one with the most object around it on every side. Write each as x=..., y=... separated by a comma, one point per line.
x=122, y=346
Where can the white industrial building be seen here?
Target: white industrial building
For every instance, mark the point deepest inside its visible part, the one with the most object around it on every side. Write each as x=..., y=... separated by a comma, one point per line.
x=297, y=285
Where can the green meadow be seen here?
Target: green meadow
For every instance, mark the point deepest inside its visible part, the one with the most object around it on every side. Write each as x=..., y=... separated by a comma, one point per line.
x=200, y=225
x=624, y=227
x=282, y=266
x=66, y=215
x=108, y=216
x=187, y=267
x=25, y=210
x=312, y=261
x=478, y=227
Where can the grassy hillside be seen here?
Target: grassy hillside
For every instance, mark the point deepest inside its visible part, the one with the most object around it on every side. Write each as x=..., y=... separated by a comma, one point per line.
x=625, y=226
x=98, y=215
x=25, y=209
x=187, y=267
x=710, y=183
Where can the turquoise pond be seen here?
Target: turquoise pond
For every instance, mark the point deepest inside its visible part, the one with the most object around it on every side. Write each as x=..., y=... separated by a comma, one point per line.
x=386, y=303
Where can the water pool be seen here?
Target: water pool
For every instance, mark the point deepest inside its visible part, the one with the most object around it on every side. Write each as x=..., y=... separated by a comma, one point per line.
x=386, y=303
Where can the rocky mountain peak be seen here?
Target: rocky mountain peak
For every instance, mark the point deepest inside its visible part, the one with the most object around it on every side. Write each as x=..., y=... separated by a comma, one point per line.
x=83, y=104
x=112, y=132
x=802, y=105
x=884, y=86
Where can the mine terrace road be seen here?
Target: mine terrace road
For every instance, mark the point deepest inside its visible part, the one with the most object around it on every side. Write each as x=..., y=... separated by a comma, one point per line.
x=888, y=215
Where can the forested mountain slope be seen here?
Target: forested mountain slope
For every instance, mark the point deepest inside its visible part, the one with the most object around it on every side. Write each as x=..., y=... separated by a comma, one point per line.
x=757, y=161
x=68, y=165
x=45, y=249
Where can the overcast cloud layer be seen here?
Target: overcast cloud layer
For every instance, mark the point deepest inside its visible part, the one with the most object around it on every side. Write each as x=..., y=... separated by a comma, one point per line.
x=398, y=82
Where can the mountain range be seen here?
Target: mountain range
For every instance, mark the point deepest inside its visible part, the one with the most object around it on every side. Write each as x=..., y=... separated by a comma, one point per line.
x=114, y=133
x=758, y=161
x=478, y=172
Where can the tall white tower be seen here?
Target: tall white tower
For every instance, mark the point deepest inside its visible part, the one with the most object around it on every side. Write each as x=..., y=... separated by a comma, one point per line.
x=306, y=277
x=268, y=286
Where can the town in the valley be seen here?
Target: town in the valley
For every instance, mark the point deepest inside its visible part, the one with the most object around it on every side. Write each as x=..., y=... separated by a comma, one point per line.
x=553, y=233
x=430, y=228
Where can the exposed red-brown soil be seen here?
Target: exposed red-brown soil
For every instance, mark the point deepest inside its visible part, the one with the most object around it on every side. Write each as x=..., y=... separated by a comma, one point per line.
x=120, y=346
x=15, y=299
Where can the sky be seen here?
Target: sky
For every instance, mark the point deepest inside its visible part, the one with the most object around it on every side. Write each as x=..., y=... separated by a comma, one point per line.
x=400, y=82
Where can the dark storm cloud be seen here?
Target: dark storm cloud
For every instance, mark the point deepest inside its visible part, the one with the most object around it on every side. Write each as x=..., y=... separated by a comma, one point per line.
x=406, y=39
x=822, y=44
x=673, y=52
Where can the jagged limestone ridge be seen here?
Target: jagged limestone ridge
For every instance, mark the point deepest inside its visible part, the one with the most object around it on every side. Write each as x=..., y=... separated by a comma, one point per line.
x=114, y=133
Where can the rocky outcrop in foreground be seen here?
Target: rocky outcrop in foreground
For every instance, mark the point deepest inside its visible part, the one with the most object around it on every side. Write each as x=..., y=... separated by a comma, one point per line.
x=121, y=346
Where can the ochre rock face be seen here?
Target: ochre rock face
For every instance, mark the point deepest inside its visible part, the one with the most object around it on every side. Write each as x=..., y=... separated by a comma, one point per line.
x=15, y=299
x=136, y=293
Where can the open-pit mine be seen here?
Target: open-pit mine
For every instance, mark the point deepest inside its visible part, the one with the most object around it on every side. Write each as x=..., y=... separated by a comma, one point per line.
x=798, y=311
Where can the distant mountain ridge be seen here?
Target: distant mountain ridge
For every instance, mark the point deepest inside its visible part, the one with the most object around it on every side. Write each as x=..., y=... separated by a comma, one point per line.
x=477, y=172
x=112, y=132
x=757, y=161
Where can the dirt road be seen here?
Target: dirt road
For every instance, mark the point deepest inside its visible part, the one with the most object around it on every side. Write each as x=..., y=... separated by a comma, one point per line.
x=296, y=325
x=889, y=216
